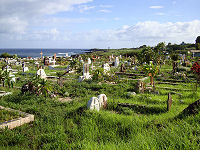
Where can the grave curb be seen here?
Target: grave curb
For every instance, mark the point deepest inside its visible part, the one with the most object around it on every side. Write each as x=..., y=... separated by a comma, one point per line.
x=18, y=121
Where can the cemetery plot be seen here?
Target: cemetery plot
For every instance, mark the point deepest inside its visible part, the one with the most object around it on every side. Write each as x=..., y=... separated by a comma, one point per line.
x=10, y=118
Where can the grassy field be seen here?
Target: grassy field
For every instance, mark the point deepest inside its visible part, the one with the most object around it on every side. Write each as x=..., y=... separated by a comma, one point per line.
x=71, y=126
x=145, y=124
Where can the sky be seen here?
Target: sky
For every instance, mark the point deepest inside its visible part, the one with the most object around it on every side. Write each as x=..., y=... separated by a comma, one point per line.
x=97, y=23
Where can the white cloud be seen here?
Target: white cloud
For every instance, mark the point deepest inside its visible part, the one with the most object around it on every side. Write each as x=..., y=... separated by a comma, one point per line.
x=148, y=32
x=16, y=15
x=116, y=18
x=105, y=11
x=160, y=14
x=106, y=6
x=84, y=8
x=156, y=7
x=174, y=2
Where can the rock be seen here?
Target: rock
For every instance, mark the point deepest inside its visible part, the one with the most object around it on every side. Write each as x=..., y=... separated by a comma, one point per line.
x=131, y=94
x=66, y=94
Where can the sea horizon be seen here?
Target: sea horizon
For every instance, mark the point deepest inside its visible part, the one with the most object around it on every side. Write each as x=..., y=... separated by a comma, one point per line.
x=35, y=52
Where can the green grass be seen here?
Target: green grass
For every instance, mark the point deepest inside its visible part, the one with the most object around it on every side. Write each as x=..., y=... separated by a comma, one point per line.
x=6, y=115
x=145, y=125
x=71, y=126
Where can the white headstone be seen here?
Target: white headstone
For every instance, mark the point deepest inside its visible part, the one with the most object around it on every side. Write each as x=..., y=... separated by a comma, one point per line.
x=86, y=70
x=86, y=74
x=93, y=104
x=116, y=62
x=25, y=69
x=89, y=61
x=102, y=100
x=106, y=67
x=41, y=73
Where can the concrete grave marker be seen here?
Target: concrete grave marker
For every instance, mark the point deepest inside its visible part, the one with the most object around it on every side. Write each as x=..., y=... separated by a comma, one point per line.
x=89, y=61
x=86, y=74
x=25, y=69
x=93, y=104
x=102, y=100
x=106, y=67
x=116, y=62
x=41, y=73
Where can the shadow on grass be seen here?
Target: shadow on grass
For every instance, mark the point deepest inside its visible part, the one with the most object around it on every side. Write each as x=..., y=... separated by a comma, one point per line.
x=192, y=109
x=140, y=109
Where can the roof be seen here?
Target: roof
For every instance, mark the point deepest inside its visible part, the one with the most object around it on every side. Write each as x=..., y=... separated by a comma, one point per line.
x=195, y=51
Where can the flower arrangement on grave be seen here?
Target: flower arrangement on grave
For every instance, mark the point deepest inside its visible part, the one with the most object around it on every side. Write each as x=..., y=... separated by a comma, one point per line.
x=196, y=70
x=151, y=70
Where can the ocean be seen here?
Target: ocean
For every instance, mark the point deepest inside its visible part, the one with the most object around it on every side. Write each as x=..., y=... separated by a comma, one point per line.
x=46, y=52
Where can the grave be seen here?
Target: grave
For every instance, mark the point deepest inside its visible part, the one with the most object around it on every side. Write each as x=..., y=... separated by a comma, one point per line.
x=123, y=68
x=93, y=104
x=169, y=102
x=106, y=68
x=89, y=61
x=102, y=100
x=25, y=69
x=41, y=73
x=116, y=62
x=86, y=74
x=27, y=118
x=140, y=86
x=3, y=93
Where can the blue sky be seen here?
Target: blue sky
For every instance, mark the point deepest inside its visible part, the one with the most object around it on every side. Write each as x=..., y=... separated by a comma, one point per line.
x=97, y=23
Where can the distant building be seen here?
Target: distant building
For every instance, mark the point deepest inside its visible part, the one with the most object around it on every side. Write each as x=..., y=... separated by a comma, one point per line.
x=195, y=53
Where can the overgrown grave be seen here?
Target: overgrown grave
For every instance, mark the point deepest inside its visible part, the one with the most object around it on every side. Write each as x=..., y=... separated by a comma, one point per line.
x=22, y=118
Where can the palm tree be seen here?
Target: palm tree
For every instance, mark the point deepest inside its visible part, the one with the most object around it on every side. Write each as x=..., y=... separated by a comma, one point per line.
x=44, y=87
x=7, y=79
x=2, y=76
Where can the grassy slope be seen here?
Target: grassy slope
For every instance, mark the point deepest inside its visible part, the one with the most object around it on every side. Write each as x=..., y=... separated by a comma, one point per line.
x=71, y=125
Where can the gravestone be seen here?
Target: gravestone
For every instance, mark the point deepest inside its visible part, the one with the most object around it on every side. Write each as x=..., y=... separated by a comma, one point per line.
x=116, y=62
x=86, y=74
x=41, y=73
x=123, y=68
x=60, y=81
x=25, y=69
x=102, y=100
x=106, y=67
x=169, y=102
x=86, y=70
x=89, y=61
x=141, y=86
x=93, y=104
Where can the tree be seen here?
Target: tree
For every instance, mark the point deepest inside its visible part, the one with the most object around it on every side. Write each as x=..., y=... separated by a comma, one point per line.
x=174, y=58
x=151, y=70
x=158, y=53
x=198, y=43
x=146, y=55
x=196, y=70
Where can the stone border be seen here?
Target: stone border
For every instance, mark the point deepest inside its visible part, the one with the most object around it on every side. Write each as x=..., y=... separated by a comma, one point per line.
x=3, y=93
x=18, y=121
